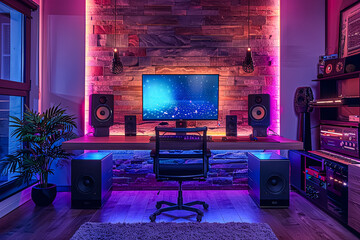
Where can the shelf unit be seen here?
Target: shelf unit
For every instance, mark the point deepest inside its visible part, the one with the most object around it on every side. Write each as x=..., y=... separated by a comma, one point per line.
x=340, y=123
x=300, y=160
x=345, y=86
x=339, y=77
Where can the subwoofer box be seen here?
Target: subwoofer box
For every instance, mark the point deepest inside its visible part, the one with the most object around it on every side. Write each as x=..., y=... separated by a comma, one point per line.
x=268, y=179
x=91, y=179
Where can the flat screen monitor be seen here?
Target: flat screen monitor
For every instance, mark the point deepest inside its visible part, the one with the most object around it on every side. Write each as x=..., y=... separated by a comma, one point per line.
x=180, y=97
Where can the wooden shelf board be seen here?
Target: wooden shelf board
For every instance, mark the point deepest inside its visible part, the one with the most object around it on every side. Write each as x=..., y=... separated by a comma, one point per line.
x=340, y=123
x=340, y=77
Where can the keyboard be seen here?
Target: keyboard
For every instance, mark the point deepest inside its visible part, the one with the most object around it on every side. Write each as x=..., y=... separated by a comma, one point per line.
x=180, y=138
x=335, y=157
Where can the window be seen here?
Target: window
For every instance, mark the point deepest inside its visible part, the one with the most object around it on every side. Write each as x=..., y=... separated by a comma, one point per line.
x=9, y=106
x=11, y=44
x=15, y=39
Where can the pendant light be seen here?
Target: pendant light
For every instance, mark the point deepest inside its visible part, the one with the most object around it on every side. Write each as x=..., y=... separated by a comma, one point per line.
x=248, y=64
x=116, y=66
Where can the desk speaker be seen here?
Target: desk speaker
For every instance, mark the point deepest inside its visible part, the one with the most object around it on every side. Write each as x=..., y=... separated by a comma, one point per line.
x=130, y=125
x=91, y=179
x=231, y=125
x=101, y=113
x=259, y=113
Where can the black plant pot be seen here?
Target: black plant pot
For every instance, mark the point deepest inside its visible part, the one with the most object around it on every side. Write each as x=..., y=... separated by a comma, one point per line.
x=43, y=196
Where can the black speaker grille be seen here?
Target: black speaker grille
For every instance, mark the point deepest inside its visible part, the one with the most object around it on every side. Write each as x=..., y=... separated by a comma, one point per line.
x=130, y=125
x=303, y=97
x=231, y=125
x=275, y=184
x=86, y=184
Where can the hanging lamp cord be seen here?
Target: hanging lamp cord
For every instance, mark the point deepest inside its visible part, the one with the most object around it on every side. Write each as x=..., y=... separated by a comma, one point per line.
x=115, y=24
x=248, y=23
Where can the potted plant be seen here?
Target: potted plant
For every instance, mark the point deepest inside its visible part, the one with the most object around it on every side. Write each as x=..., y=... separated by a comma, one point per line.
x=42, y=134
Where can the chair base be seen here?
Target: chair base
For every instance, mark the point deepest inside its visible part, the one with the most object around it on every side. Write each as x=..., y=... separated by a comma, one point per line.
x=179, y=206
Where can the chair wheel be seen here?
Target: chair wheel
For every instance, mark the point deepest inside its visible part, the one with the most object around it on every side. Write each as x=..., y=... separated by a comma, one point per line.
x=198, y=218
x=206, y=206
x=158, y=206
x=152, y=217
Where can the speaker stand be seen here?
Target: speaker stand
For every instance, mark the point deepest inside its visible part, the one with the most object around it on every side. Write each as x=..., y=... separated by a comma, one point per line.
x=304, y=130
x=101, y=132
x=259, y=132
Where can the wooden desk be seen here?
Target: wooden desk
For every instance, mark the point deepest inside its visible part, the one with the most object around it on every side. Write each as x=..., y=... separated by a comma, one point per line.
x=143, y=143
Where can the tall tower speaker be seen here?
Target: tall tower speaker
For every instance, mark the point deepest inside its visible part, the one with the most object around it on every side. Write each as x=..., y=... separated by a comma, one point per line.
x=302, y=100
x=259, y=113
x=91, y=179
x=231, y=125
x=130, y=125
x=101, y=113
x=269, y=179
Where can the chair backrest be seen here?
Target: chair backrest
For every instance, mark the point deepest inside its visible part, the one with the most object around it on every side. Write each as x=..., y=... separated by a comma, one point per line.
x=167, y=140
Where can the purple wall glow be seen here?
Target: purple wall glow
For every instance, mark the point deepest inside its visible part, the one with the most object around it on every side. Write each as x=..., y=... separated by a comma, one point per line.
x=302, y=41
x=63, y=63
x=63, y=56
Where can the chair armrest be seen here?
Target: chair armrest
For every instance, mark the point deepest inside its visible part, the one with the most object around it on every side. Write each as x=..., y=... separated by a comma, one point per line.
x=208, y=153
x=152, y=153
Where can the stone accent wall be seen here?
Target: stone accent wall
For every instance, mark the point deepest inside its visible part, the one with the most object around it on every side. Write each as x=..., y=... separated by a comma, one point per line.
x=183, y=36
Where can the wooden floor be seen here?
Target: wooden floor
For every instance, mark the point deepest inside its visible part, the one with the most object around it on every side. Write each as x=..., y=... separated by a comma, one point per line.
x=301, y=220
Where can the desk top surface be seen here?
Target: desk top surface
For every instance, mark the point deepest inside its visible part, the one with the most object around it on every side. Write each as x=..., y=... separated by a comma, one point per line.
x=142, y=142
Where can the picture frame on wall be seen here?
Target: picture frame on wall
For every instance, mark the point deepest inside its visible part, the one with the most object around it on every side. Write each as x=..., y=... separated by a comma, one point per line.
x=349, y=30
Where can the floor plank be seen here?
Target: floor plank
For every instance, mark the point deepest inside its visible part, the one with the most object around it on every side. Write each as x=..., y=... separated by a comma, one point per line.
x=302, y=220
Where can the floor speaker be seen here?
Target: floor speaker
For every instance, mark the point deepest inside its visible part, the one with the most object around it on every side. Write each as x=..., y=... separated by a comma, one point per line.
x=101, y=113
x=259, y=113
x=302, y=100
x=268, y=179
x=130, y=125
x=231, y=125
x=91, y=179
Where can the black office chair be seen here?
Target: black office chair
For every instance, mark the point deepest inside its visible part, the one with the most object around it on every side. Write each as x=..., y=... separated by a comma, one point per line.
x=175, y=146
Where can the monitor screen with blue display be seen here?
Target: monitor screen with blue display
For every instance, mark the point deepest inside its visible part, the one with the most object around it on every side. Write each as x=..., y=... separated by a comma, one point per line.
x=185, y=97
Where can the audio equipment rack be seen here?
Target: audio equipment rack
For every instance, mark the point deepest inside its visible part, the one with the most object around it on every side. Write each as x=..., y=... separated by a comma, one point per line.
x=329, y=188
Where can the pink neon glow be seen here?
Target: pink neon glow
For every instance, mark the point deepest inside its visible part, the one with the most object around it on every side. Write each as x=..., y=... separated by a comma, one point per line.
x=87, y=91
x=41, y=29
x=273, y=90
x=277, y=99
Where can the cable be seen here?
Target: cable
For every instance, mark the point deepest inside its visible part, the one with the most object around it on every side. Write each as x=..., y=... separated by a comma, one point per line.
x=115, y=23
x=248, y=23
x=273, y=132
